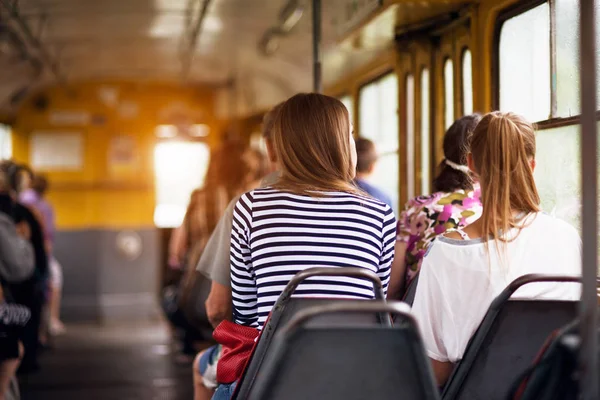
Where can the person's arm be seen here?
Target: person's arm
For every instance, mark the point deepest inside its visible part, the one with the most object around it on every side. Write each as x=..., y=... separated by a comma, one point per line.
x=17, y=261
x=243, y=283
x=218, y=304
x=396, y=288
x=177, y=246
x=215, y=265
x=387, y=256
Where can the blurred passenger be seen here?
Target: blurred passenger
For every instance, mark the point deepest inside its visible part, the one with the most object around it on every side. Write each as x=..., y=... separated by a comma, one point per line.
x=17, y=261
x=365, y=166
x=215, y=261
x=324, y=212
x=454, y=204
x=31, y=292
x=34, y=197
x=467, y=268
x=231, y=170
x=16, y=266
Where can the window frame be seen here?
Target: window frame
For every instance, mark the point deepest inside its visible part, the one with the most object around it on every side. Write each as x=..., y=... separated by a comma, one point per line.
x=505, y=15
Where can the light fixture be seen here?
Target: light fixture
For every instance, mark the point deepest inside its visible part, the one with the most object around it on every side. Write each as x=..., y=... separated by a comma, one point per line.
x=289, y=16
x=199, y=130
x=269, y=43
x=166, y=131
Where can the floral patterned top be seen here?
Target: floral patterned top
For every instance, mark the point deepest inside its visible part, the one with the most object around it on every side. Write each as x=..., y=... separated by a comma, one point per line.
x=425, y=217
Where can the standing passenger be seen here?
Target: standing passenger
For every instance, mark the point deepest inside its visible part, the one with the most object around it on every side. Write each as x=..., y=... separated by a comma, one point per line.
x=466, y=269
x=34, y=197
x=454, y=204
x=365, y=165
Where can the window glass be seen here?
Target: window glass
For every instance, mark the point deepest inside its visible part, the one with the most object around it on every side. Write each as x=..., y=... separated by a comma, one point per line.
x=448, y=93
x=525, y=64
x=179, y=168
x=5, y=142
x=567, y=57
x=410, y=135
x=467, y=81
x=347, y=100
x=558, y=171
x=425, y=144
x=378, y=107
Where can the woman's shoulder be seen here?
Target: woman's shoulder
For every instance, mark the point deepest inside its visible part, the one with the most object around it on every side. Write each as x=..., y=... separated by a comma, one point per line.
x=551, y=226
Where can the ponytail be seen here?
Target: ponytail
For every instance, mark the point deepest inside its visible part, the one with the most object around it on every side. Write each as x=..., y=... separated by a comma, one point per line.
x=502, y=147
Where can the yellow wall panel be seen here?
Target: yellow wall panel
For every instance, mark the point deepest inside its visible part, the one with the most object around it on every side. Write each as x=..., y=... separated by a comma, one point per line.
x=104, y=193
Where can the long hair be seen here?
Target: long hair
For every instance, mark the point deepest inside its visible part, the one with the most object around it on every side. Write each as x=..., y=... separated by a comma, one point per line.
x=456, y=142
x=311, y=137
x=502, y=147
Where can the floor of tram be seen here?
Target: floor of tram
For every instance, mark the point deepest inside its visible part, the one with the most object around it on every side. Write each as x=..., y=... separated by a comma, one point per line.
x=100, y=362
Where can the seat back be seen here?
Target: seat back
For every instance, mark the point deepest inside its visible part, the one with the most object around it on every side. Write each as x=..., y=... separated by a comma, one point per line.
x=287, y=307
x=507, y=341
x=346, y=362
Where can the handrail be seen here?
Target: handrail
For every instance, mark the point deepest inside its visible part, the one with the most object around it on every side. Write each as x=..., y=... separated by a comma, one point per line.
x=395, y=307
x=354, y=272
x=530, y=278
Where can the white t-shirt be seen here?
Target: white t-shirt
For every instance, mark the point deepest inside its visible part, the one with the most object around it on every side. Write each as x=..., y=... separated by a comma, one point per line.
x=458, y=280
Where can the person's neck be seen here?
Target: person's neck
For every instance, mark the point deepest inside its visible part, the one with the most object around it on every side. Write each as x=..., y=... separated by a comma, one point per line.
x=362, y=176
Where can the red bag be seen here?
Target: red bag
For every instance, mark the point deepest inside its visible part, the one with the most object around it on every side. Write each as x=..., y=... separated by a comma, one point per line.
x=237, y=343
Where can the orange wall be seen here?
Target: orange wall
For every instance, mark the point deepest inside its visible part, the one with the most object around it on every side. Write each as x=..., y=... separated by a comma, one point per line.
x=99, y=194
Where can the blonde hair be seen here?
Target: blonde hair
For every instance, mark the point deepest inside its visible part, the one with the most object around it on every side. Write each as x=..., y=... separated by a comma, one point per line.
x=311, y=137
x=502, y=147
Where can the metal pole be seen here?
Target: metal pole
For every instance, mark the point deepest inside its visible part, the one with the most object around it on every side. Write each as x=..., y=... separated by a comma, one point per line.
x=316, y=22
x=588, y=356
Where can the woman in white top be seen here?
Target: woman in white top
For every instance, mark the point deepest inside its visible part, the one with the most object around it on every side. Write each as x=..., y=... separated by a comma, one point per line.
x=464, y=270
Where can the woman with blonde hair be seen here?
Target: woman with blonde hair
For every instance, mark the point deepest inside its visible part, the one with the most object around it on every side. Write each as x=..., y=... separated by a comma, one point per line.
x=312, y=217
x=465, y=269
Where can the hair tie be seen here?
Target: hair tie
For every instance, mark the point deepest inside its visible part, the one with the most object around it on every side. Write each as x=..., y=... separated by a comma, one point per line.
x=458, y=167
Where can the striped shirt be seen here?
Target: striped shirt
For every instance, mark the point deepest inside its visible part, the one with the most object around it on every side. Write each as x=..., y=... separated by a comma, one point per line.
x=276, y=234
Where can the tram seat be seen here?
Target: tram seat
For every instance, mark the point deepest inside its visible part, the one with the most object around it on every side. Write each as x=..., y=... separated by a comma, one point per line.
x=287, y=307
x=350, y=362
x=507, y=341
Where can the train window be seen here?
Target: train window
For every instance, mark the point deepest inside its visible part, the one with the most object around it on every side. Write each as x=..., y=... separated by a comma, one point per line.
x=567, y=58
x=5, y=142
x=557, y=172
x=378, y=107
x=179, y=168
x=347, y=100
x=467, y=82
x=425, y=144
x=410, y=135
x=525, y=64
x=448, y=93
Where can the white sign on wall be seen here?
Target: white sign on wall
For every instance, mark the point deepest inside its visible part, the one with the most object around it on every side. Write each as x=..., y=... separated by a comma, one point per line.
x=56, y=151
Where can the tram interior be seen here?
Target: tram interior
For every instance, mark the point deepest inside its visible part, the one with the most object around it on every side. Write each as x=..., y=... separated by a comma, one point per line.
x=120, y=105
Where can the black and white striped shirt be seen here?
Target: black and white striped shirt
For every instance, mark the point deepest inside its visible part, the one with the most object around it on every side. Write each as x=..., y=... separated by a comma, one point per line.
x=276, y=234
